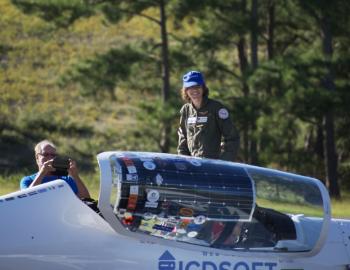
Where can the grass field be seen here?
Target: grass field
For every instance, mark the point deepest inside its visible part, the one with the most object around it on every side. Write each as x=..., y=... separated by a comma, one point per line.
x=340, y=209
x=11, y=183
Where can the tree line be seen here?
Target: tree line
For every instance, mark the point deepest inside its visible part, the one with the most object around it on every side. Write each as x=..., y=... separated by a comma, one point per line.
x=281, y=67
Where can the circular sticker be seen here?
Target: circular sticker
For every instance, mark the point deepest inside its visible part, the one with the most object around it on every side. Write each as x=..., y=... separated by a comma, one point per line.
x=195, y=162
x=199, y=220
x=153, y=195
x=223, y=113
x=192, y=234
x=149, y=165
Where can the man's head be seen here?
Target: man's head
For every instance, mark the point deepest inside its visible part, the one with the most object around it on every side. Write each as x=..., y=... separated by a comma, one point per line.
x=44, y=151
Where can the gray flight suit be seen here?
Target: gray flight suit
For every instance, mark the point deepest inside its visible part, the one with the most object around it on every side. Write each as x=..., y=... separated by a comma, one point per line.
x=207, y=132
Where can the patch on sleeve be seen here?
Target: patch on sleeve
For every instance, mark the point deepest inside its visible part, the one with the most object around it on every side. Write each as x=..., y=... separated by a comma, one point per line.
x=223, y=113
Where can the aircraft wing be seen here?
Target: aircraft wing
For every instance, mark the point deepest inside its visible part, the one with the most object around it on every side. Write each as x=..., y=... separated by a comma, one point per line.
x=170, y=212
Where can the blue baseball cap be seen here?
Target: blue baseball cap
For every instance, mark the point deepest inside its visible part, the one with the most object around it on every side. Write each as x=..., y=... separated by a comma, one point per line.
x=192, y=78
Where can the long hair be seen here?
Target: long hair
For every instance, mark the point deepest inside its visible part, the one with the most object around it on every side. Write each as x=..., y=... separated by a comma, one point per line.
x=186, y=98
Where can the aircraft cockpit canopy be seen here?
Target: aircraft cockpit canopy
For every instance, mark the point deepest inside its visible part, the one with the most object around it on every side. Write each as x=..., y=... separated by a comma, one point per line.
x=212, y=203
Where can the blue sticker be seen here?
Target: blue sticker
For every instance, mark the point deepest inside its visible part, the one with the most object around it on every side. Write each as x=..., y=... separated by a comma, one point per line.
x=163, y=228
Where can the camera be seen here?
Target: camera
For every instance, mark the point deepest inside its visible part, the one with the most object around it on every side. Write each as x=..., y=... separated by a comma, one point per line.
x=61, y=164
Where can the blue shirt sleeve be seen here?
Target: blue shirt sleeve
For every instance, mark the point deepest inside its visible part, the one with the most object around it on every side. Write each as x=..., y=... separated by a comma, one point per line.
x=26, y=181
x=72, y=184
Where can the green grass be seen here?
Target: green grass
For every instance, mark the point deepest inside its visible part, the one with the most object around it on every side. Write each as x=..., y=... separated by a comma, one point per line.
x=340, y=208
x=10, y=183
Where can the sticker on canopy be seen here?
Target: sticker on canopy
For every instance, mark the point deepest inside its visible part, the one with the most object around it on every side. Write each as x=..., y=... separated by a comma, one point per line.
x=195, y=162
x=134, y=189
x=151, y=204
x=163, y=228
x=132, y=202
x=131, y=169
x=199, y=220
x=146, y=225
x=186, y=212
x=149, y=165
x=192, y=234
x=128, y=218
x=159, y=179
x=153, y=195
x=223, y=113
x=132, y=177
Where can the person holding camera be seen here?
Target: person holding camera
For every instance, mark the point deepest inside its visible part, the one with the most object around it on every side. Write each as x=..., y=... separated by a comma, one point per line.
x=52, y=167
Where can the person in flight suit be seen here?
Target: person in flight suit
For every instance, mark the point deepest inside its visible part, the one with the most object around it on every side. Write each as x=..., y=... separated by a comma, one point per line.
x=206, y=129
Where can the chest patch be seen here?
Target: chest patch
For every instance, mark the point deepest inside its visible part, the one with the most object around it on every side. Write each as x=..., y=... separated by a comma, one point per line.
x=197, y=120
x=202, y=119
x=191, y=120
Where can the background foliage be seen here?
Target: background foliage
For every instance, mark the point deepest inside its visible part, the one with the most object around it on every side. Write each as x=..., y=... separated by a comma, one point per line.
x=91, y=76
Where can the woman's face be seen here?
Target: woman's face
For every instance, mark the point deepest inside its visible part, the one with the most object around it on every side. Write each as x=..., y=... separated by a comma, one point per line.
x=195, y=93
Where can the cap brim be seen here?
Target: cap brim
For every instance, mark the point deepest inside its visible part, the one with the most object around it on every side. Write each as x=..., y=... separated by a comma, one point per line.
x=189, y=84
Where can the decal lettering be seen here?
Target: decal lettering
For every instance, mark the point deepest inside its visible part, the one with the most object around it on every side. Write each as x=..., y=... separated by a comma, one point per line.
x=151, y=204
x=168, y=262
x=162, y=228
x=25, y=195
x=243, y=264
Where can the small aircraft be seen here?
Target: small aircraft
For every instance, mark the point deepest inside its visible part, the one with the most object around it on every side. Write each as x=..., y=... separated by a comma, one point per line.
x=161, y=211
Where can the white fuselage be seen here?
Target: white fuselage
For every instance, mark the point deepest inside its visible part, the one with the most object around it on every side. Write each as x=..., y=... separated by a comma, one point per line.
x=48, y=227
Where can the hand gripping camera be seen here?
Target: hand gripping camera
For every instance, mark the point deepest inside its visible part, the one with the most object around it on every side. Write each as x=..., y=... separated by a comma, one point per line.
x=61, y=164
